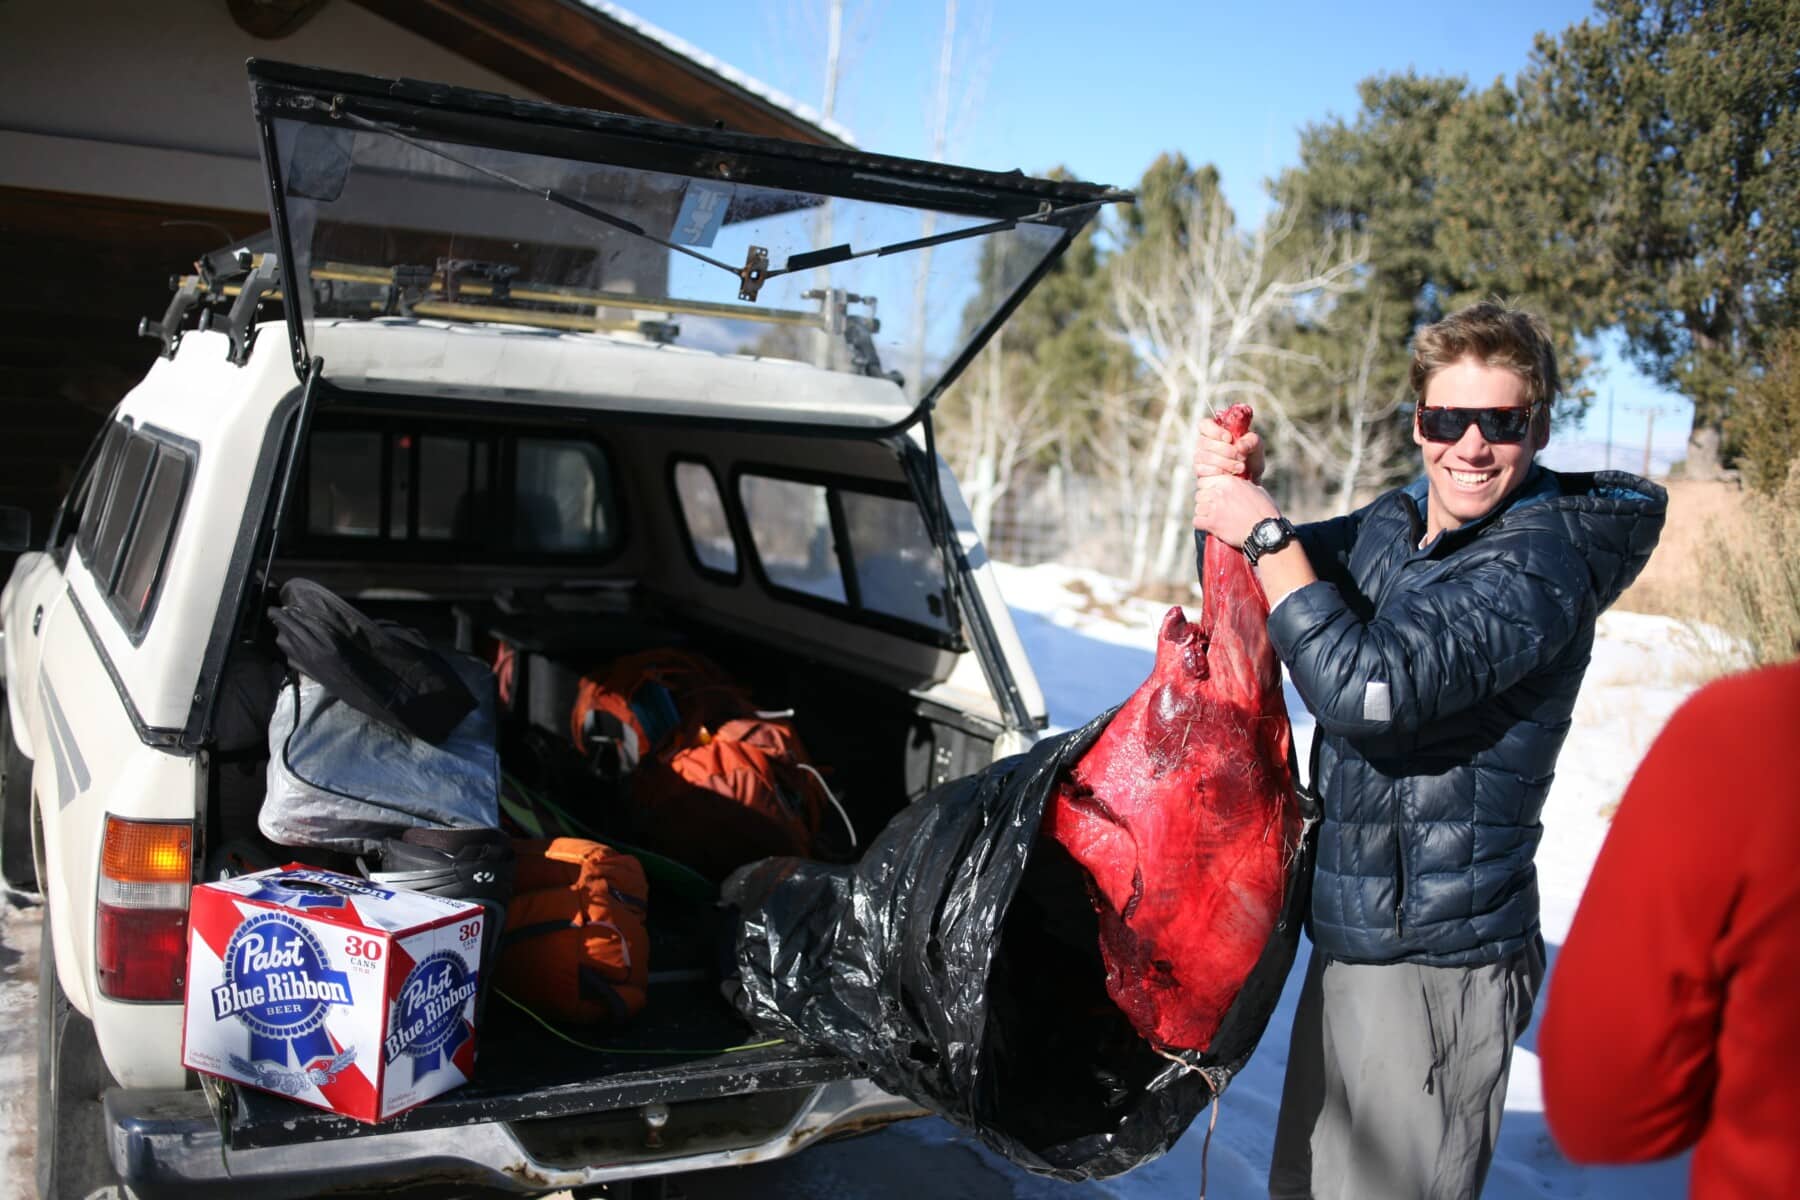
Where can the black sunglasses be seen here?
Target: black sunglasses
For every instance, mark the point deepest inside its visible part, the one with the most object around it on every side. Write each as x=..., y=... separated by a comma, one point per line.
x=1502, y=426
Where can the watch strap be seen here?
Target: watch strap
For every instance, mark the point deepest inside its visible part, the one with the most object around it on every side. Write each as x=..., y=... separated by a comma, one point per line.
x=1254, y=546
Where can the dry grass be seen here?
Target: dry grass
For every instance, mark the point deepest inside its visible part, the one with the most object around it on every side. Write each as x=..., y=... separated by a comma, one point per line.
x=1729, y=559
x=1756, y=584
x=1167, y=593
x=1675, y=583
x=1091, y=603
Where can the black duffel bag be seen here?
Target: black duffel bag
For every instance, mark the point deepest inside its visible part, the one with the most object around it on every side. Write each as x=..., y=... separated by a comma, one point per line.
x=385, y=671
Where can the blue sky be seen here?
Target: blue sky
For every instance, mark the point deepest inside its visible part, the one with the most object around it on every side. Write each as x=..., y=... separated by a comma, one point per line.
x=1103, y=91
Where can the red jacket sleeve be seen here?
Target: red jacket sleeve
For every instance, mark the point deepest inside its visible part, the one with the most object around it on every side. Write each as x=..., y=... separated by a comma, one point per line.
x=1628, y=1039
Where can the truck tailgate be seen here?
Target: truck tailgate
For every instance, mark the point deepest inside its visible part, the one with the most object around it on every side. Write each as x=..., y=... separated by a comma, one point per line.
x=672, y=1053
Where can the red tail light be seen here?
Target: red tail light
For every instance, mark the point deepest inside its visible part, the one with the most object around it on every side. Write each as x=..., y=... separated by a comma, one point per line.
x=141, y=955
x=140, y=933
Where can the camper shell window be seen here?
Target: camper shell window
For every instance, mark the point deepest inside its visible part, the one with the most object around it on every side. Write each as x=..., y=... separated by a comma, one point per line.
x=711, y=545
x=132, y=510
x=846, y=546
x=393, y=488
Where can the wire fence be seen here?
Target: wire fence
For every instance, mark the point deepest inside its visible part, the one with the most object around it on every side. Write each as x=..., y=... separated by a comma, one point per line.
x=1061, y=517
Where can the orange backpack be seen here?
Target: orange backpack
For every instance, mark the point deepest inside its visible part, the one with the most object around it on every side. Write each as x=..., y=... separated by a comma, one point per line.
x=711, y=783
x=576, y=947
x=627, y=714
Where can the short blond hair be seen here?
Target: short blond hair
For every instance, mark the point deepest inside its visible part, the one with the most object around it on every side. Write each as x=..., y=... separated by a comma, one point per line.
x=1495, y=334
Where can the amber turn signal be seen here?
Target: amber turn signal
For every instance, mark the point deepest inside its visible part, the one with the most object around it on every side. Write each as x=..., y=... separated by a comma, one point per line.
x=148, y=851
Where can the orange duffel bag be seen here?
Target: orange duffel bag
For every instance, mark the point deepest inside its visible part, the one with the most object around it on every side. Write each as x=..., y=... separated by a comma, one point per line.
x=729, y=797
x=576, y=946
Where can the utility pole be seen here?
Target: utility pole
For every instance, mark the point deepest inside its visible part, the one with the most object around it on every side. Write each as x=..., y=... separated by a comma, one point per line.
x=1649, y=433
x=1609, y=422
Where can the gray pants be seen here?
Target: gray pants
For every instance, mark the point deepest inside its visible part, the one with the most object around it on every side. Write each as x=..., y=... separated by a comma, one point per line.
x=1396, y=1078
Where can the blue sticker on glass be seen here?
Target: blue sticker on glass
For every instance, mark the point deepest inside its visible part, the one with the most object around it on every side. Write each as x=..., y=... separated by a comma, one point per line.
x=428, y=1023
x=702, y=212
x=277, y=984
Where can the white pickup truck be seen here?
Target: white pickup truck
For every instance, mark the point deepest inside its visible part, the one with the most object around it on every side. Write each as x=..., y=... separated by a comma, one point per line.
x=575, y=382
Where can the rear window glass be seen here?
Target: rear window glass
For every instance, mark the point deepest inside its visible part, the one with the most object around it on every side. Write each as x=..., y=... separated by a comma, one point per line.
x=790, y=524
x=344, y=492
x=703, y=513
x=399, y=511
x=898, y=572
x=150, y=542
x=452, y=486
x=561, y=497
x=134, y=467
x=392, y=487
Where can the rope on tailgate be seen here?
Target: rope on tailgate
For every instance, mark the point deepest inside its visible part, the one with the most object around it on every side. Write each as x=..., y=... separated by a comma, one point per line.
x=628, y=1050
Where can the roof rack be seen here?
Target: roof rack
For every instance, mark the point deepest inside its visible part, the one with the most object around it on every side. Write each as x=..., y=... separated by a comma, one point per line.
x=229, y=287
x=241, y=275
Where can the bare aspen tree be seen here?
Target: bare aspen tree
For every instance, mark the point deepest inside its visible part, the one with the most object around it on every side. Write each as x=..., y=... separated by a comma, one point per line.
x=1196, y=312
x=1362, y=441
x=1003, y=428
x=940, y=129
x=834, y=49
x=948, y=100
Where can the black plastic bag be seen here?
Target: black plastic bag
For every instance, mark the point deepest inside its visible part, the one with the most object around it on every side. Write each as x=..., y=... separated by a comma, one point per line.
x=958, y=964
x=385, y=671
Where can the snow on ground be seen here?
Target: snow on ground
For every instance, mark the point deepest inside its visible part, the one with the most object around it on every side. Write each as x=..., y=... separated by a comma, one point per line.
x=18, y=1043
x=1092, y=645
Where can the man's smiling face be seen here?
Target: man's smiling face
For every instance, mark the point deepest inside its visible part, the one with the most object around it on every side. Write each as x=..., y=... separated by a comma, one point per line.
x=1469, y=477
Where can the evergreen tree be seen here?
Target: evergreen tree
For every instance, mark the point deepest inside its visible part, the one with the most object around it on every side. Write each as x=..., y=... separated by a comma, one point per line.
x=1377, y=176
x=1678, y=128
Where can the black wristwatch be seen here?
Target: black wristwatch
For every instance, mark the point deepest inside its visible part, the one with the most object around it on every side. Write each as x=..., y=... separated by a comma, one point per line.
x=1267, y=536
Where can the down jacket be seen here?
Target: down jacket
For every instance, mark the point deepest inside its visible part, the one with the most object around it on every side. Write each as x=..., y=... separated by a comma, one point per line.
x=1443, y=678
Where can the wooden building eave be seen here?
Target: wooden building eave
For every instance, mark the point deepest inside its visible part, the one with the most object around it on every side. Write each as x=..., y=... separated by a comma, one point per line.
x=574, y=54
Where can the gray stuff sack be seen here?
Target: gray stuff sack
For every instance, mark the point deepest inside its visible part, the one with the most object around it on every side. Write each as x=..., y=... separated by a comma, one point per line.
x=339, y=780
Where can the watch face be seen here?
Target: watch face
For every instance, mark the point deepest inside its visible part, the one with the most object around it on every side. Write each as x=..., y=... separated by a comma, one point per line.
x=1266, y=534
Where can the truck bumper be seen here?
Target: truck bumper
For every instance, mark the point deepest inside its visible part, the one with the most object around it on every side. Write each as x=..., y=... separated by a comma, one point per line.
x=168, y=1143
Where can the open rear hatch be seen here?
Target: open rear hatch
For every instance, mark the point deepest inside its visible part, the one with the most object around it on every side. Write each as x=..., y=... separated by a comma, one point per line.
x=638, y=243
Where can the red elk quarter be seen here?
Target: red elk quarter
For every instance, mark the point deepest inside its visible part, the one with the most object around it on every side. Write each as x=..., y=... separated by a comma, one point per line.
x=1183, y=812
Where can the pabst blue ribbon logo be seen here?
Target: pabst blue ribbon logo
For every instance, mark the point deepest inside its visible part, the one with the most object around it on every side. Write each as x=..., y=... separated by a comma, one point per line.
x=428, y=1024
x=278, y=984
x=313, y=889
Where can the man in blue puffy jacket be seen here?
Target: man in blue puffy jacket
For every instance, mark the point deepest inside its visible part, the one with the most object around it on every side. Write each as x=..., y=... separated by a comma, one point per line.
x=1439, y=637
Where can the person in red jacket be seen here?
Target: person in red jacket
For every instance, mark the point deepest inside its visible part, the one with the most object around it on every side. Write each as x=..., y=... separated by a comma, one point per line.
x=1674, y=1011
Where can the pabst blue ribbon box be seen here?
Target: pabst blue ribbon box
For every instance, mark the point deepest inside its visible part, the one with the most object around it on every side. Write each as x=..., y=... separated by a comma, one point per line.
x=332, y=990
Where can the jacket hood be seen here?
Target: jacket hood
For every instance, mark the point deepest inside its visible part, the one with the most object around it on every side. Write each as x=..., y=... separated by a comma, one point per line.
x=1613, y=519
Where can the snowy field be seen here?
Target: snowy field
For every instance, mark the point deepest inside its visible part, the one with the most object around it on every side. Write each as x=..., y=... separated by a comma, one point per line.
x=1092, y=646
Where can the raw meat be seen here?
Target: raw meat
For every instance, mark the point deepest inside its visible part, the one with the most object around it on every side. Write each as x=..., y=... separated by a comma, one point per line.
x=1184, y=814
